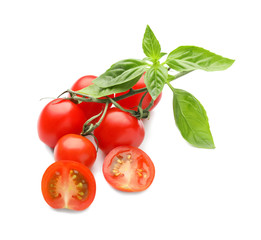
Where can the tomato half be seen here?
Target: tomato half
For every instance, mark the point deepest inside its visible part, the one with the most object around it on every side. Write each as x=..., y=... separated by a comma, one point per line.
x=58, y=118
x=68, y=184
x=90, y=109
x=76, y=148
x=133, y=101
x=128, y=169
x=119, y=128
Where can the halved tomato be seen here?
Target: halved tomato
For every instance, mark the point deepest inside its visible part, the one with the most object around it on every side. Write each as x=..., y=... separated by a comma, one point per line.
x=128, y=169
x=68, y=184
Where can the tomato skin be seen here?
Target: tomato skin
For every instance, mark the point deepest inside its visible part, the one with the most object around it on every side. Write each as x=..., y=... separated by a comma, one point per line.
x=58, y=182
x=119, y=128
x=90, y=109
x=133, y=101
x=58, y=118
x=128, y=169
x=76, y=148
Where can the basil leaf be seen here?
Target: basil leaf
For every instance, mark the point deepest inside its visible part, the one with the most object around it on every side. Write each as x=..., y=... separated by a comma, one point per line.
x=162, y=54
x=150, y=44
x=187, y=58
x=191, y=119
x=121, y=72
x=155, y=79
x=97, y=92
x=171, y=77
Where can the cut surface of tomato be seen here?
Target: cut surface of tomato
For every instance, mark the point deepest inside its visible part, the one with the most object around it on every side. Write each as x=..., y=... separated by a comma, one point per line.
x=128, y=169
x=68, y=184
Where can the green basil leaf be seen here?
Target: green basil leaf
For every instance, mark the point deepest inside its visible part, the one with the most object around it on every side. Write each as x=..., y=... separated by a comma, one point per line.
x=191, y=119
x=97, y=92
x=121, y=72
x=171, y=77
x=162, y=54
x=187, y=58
x=155, y=79
x=150, y=44
x=151, y=59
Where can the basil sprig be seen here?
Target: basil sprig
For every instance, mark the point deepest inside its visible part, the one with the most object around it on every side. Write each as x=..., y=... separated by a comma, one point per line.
x=189, y=114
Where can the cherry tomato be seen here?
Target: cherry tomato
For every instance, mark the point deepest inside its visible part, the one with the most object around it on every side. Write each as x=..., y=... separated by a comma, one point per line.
x=119, y=128
x=89, y=108
x=128, y=169
x=133, y=101
x=68, y=184
x=76, y=148
x=58, y=118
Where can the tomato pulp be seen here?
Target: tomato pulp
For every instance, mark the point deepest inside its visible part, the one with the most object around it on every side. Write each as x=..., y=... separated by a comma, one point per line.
x=119, y=128
x=128, y=169
x=68, y=184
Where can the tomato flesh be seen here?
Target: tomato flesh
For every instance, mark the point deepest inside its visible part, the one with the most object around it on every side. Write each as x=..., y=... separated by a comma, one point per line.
x=128, y=169
x=68, y=184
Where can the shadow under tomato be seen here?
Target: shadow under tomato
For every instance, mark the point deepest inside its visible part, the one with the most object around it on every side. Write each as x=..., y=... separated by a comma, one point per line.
x=70, y=211
x=49, y=149
x=127, y=193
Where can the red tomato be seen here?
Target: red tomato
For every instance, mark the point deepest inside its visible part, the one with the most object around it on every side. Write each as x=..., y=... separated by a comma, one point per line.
x=76, y=148
x=58, y=118
x=128, y=169
x=68, y=184
x=133, y=101
x=119, y=128
x=89, y=108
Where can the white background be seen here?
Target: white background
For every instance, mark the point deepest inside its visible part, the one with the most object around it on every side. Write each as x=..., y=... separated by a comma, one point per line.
x=197, y=194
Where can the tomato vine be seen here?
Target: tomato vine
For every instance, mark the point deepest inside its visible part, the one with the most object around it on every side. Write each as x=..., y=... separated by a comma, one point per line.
x=189, y=114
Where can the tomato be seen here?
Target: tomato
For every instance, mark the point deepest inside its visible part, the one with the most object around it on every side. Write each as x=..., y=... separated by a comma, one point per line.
x=68, y=184
x=76, y=148
x=133, y=101
x=119, y=128
x=128, y=169
x=58, y=118
x=89, y=108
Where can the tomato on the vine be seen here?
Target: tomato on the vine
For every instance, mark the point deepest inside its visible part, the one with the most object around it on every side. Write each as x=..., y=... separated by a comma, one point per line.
x=119, y=128
x=58, y=118
x=76, y=148
x=128, y=169
x=68, y=184
x=133, y=101
x=90, y=109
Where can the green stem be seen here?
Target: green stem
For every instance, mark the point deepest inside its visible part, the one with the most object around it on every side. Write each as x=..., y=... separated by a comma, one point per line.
x=180, y=74
x=171, y=87
x=89, y=127
x=120, y=107
x=86, y=98
x=102, y=116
